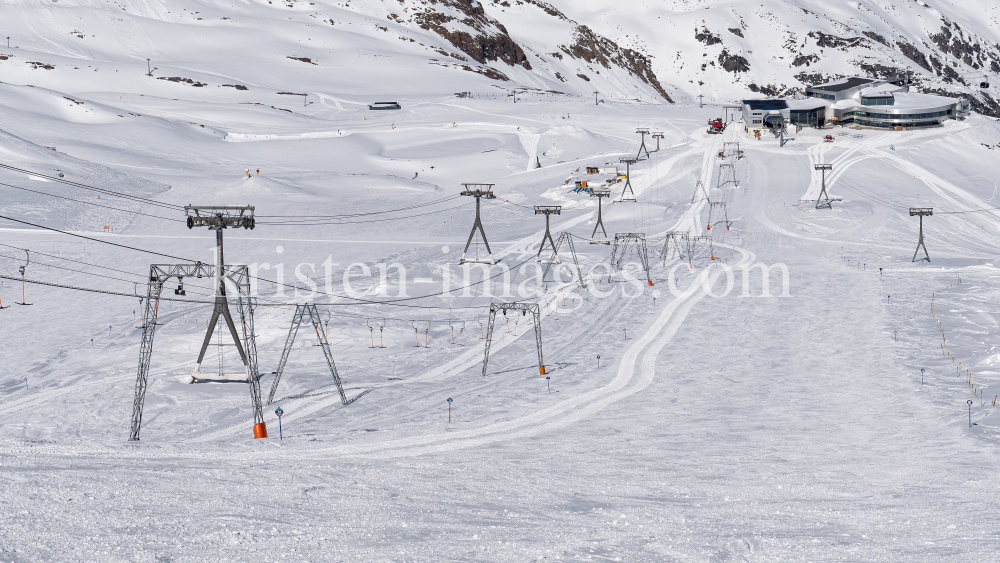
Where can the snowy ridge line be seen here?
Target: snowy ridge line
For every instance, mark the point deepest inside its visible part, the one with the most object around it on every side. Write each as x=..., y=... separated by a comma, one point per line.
x=976, y=390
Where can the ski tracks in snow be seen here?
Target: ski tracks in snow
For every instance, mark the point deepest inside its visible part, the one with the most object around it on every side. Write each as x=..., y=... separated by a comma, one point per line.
x=635, y=373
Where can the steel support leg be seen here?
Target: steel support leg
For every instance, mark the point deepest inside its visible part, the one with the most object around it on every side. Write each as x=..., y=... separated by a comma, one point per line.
x=489, y=338
x=145, y=354
x=245, y=308
x=314, y=313
x=289, y=340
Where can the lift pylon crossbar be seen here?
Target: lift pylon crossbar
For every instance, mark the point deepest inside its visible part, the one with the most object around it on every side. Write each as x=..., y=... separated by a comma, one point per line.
x=628, y=179
x=547, y=210
x=823, y=201
x=307, y=313
x=622, y=241
x=642, y=131
x=159, y=274
x=600, y=194
x=568, y=239
x=921, y=212
x=478, y=191
x=525, y=308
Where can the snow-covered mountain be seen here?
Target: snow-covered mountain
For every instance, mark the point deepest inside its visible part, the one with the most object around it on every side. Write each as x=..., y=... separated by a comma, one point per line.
x=647, y=49
x=728, y=49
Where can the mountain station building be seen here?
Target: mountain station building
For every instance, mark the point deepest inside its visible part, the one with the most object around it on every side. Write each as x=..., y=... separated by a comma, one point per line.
x=866, y=102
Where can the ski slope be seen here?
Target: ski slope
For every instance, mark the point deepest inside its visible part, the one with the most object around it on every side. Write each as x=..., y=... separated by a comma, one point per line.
x=721, y=424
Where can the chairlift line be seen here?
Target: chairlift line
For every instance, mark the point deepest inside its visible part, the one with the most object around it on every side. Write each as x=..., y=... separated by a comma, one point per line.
x=94, y=188
x=89, y=203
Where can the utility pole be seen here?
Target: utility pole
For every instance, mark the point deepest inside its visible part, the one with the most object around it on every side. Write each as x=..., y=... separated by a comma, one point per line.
x=628, y=179
x=822, y=194
x=658, y=136
x=596, y=103
x=600, y=194
x=701, y=103
x=478, y=191
x=149, y=71
x=921, y=212
x=642, y=131
x=547, y=210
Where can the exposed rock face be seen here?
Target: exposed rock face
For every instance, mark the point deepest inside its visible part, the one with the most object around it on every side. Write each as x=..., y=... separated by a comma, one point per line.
x=466, y=26
x=733, y=63
x=914, y=54
x=593, y=48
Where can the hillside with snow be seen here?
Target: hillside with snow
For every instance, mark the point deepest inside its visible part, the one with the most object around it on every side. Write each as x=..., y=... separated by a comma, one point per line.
x=744, y=376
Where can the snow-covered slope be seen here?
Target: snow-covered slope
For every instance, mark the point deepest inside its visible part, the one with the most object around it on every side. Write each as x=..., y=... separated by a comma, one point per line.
x=716, y=414
x=368, y=47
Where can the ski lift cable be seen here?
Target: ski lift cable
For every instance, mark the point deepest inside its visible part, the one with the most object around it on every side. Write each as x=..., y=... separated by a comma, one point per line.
x=348, y=216
x=74, y=261
x=94, y=188
x=94, y=239
x=91, y=203
x=357, y=300
x=314, y=223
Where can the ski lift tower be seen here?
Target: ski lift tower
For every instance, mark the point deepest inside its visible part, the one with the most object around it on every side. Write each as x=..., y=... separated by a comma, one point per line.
x=657, y=135
x=642, y=131
x=628, y=179
x=216, y=218
x=824, y=201
x=921, y=212
x=478, y=191
x=547, y=210
x=600, y=194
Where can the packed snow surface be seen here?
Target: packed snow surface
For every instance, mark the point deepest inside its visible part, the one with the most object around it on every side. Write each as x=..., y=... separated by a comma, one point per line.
x=709, y=416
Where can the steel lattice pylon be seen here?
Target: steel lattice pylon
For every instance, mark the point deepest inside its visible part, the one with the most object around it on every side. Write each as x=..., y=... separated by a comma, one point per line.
x=622, y=240
x=525, y=308
x=568, y=239
x=159, y=274
x=307, y=313
x=702, y=239
x=681, y=243
x=700, y=187
x=711, y=211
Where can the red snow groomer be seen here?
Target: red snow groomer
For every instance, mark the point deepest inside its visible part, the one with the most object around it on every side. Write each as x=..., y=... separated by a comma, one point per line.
x=716, y=126
x=828, y=139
